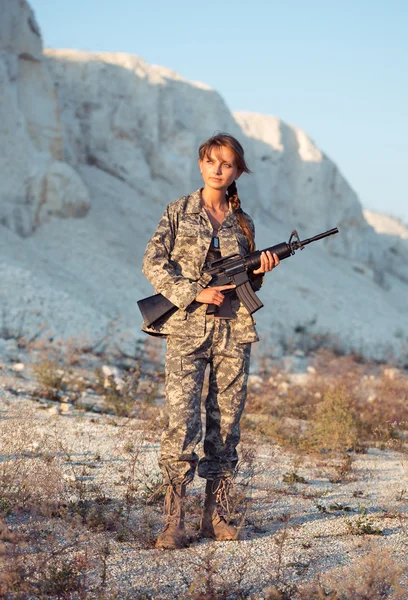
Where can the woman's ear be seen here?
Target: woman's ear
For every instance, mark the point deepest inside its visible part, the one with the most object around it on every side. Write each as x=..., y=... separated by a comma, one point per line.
x=238, y=174
x=199, y=164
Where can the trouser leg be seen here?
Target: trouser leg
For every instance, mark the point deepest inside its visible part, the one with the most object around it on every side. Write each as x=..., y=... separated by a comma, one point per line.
x=186, y=360
x=225, y=402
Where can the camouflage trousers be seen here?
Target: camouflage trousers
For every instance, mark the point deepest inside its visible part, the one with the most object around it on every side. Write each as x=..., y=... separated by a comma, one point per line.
x=186, y=362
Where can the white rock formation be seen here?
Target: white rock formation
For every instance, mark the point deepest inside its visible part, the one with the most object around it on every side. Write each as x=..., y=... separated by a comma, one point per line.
x=386, y=224
x=35, y=183
x=111, y=139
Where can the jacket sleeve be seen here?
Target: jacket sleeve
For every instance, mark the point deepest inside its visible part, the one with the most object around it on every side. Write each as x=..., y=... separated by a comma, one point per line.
x=163, y=273
x=256, y=280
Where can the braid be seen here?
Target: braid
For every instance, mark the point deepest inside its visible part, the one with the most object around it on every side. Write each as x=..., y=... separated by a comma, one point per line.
x=235, y=202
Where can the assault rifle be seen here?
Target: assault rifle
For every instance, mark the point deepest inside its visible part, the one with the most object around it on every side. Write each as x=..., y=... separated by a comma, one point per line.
x=230, y=270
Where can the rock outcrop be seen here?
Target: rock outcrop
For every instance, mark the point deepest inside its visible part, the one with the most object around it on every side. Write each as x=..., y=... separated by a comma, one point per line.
x=110, y=140
x=35, y=181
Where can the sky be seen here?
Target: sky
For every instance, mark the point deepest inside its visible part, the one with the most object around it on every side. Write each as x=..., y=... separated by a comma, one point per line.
x=338, y=70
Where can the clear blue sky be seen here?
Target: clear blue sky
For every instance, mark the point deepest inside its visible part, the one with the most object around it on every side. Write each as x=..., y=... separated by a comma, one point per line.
x=338, y=70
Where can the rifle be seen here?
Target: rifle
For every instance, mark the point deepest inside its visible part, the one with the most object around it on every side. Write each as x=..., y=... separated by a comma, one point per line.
x=232, y=269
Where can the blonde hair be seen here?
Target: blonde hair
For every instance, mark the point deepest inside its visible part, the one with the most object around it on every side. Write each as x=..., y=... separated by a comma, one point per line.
x=216, y=143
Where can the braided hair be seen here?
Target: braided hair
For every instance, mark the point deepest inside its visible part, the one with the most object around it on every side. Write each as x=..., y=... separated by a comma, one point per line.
x=216, y=142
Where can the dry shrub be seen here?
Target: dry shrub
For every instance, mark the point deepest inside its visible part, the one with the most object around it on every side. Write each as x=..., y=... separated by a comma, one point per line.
x=120, y=399
x=379, y=393
x=333, y=424
x=385, y=415
x=375, y=576
x=30, y=478
x=211, y=580
x=43, y=561
x=365, y=402
x=67, y=368
x=50, y=376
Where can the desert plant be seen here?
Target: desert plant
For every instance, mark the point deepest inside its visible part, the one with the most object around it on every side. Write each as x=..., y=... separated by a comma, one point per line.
x=363, y=525
x=119, y=398
x=50, y=376
x=374, y=576
x=333, y=424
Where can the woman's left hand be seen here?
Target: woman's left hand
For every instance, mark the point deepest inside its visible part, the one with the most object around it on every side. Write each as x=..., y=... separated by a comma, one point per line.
x=268, y=262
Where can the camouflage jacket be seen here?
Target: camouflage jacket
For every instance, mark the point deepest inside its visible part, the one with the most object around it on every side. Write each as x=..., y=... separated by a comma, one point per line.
x=173, y=263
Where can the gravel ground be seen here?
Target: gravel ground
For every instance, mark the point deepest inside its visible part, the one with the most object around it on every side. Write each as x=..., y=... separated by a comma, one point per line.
x=293, y=533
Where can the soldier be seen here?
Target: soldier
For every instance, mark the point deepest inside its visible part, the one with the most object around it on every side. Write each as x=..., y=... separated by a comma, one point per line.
x=193, y=231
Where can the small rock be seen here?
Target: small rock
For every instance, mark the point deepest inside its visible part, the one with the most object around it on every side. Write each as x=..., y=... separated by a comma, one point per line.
x=17, y=367
x=391, y=373
x=299, y=378
x=112, y=372
x=255, y=381
x=67, y=407
x=311, y=370
x=283, y=387
x=107, y=371
x=89, y=392
x=54, y=410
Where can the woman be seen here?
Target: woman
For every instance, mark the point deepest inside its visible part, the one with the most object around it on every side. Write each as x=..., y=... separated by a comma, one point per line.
x=195, y=230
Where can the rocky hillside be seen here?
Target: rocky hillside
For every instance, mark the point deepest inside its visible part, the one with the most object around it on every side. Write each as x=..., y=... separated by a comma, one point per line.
x=93, y=146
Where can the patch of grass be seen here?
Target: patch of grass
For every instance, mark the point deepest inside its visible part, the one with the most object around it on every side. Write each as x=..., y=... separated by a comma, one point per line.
x=292, y=477
x=64, y=577
x=343, y=469
x=50, y=376
x=364, y=524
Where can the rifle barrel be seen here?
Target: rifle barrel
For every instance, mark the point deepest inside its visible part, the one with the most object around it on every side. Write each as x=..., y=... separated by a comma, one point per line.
x=320, y=236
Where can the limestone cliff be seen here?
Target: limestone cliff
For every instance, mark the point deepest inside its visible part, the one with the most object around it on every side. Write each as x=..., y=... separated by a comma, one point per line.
x=111, y=139
x=35, y=181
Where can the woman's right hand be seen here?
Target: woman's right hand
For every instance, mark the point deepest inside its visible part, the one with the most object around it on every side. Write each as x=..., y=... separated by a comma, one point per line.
x=213, y=295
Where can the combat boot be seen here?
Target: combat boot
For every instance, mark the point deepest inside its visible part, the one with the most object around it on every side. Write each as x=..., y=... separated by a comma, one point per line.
x=214, y=523
x=173, y=536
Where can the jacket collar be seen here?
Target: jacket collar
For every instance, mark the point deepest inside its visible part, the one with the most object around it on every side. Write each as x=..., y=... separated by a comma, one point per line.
x=195, y=206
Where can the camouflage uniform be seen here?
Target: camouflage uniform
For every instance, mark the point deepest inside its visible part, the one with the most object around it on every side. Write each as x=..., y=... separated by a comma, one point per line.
x=173, y=263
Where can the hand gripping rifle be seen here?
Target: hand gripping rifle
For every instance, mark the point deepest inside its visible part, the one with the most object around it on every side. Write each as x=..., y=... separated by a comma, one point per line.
x=229, y=270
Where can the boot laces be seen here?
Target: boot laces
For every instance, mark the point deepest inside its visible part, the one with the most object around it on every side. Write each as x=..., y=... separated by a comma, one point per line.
x=173, y=503
x=222, y=489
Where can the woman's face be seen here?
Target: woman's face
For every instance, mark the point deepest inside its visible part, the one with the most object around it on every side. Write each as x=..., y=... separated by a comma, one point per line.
x=219, y=169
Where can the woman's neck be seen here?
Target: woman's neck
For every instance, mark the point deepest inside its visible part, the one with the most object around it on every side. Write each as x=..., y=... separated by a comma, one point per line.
x=213, y=199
